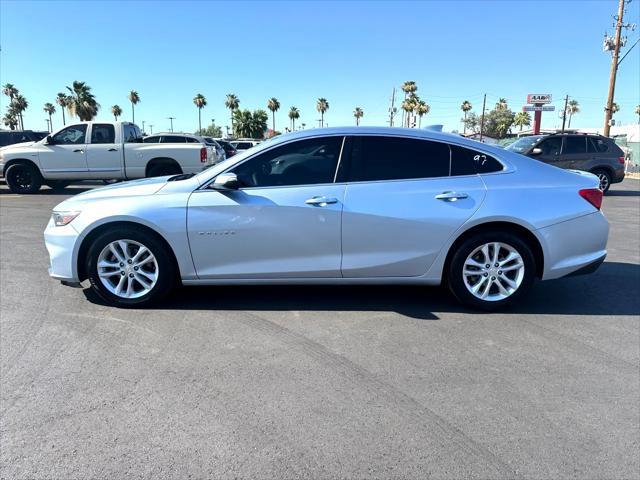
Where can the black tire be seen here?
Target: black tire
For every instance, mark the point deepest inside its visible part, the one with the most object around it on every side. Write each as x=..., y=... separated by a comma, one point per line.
x=163, y=170
x=605, y=179
x=166, y=272
x=58, y=184
x=23, y=178
x=455, y=277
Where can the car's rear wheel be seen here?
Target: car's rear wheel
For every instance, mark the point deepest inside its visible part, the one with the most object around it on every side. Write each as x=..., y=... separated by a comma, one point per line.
x=491, y=270
x=130, y=268
x=23, y=178
x=605, y=179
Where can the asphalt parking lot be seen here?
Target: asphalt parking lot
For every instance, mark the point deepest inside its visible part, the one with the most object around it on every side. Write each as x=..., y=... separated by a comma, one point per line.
x=318, y=382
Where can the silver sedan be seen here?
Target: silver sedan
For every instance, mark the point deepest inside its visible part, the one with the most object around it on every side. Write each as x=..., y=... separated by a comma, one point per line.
x=338, y=206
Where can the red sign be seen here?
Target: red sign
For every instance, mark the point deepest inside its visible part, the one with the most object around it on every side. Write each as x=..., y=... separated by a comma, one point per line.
x=539, y=98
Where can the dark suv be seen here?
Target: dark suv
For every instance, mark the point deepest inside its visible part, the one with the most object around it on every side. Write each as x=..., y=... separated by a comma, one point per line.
x=577, y=151
x=11, y=137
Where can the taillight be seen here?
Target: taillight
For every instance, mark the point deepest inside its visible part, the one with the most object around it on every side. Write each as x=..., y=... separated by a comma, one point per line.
x=203, y=154
x=621, y=160
x=593, y=196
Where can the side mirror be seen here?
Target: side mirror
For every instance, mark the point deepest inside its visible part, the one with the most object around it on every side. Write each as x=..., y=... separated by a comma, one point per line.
x=536, y=151
x=225, y=181
x=49, y=140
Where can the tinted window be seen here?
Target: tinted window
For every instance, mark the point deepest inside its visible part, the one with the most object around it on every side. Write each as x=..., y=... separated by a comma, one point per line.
x=304, y=162
x=597, y=145
x=71, y=135
x=574, y=144
x=103, y=133
x=191, y=140
x=468, y=162
x=131, y=133
x=551, y=146
x=152, y=139
x=391, y=158
x=173, y=139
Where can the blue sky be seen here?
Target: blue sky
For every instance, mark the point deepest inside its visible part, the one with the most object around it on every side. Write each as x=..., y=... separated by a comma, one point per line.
x=352, y=53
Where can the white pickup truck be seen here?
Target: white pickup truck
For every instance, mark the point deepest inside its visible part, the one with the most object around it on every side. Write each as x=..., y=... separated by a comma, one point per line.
x=99, y=151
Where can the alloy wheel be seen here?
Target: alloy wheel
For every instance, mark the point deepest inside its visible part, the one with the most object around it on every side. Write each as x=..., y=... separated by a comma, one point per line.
x=127, y=268
x=604, y=181
x=493, y=271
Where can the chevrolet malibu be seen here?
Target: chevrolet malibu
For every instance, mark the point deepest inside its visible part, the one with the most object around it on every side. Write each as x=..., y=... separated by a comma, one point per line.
x=337, y=206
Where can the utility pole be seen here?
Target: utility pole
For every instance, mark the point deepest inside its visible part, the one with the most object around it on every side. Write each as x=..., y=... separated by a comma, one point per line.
x=484, y=104
x=171, y=119
x=151, y=128
x=614, y=69
x=564, y=112
x=142, y=126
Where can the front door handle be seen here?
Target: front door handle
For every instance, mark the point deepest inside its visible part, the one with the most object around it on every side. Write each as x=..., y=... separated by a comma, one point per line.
x=78, y=150
x=112, y=150
x=451, y=196
x=321, y=201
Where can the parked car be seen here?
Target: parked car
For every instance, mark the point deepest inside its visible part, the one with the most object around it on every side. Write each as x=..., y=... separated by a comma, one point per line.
x=11, y=137
x=229, y=150
x=97, y=150
x=174, y=137
x=346, y=205
x=220, y=152
x=578, y=151
x=244, y=144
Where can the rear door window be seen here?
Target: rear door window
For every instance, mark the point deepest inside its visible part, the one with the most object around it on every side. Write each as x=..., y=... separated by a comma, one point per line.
x=574, y=145
x=396, y=158
x=151, y=139
x=131, y=133
x=173, y=139
x=103, y=133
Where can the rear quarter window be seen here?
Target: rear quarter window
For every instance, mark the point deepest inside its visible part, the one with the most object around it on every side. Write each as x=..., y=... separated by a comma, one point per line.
x=465, y=161
x=597, y=145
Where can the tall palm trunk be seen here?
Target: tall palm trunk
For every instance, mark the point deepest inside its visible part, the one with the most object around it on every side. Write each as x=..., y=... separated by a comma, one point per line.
x=133, y=113
x=199, y=121
x=50, y=123
x=64, y=122
x=464, y=124
x=321, y=119
x=293, y=124
x=273, y=120
x=569, y=125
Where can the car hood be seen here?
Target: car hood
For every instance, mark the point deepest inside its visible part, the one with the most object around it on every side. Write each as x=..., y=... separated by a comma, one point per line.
x=16, y=146
x=132, y=188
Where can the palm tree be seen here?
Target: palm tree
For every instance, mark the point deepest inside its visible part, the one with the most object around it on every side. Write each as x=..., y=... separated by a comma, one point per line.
x=232, y=103
x=10, y=90
x=63, y=101
x=134, y=98
x=573, y=107
x=522, y=119
x=638, y=112
x=465, y=107
x=50, y=109
x=19, y=104
x=407, y=106
x=116, y=111
x=322, y=105
x=358, y=113
x=200, y=102
x=409, y=88
x=10, y=120
x=241, y=121
x=421, y=108
x=274, y=105
x=501, y=104
x=294, y=114
x=82, y=102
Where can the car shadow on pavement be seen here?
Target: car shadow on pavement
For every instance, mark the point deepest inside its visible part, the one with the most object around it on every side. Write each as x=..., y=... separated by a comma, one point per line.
x=623, y=193
x=68, y=191
x=612, y=290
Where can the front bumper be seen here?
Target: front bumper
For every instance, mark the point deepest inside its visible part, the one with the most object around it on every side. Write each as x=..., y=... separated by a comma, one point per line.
x=574, y=245
x=61, y=245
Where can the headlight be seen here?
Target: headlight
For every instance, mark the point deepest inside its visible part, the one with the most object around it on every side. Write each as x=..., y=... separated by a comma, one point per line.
x=64, y=218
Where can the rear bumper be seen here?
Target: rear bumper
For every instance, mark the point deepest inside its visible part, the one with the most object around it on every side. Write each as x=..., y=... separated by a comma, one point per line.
x=618, y=175
x=574, y=245
x=589, y=268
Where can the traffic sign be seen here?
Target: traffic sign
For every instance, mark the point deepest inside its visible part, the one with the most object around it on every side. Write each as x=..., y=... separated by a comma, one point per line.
x=538, y=108
x=539, y=98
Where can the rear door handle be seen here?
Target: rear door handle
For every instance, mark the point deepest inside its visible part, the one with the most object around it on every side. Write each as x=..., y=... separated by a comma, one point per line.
x=321, y=201
x=112, y=150
x=451, y=196
x=79, y=150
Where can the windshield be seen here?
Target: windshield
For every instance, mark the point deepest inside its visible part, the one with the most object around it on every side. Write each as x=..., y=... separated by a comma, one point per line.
x=524, y=144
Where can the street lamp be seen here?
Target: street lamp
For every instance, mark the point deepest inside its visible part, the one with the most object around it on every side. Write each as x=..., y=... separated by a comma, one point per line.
x=171, y=119
x=151, y=128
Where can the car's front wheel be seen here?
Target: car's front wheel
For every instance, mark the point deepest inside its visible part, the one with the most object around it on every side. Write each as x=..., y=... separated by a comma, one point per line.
x=491, y=270
x=130, y=268
x=23, y=178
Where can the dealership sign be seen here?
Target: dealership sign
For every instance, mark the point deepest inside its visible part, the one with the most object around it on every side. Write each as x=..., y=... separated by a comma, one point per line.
x=538, y=108
x=539, y=98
